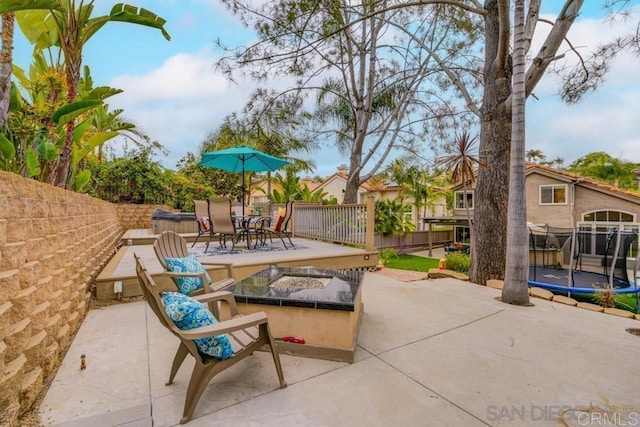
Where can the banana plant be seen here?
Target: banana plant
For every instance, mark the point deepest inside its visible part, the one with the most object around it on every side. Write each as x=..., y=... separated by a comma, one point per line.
x=68, y=25
x=30, y=127
x=307, y=195
x=40, y=129
x=392, y=217
x=289, y=183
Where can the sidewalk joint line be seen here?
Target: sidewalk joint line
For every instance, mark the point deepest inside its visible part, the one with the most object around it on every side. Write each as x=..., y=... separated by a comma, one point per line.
x=441, y=332
x=378, y=356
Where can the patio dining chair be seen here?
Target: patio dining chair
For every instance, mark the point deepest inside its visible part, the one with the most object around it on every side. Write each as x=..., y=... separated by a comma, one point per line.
x=204, y=224
x=171, y=245
x=281, y=229
x=224, y=224
x=239, y=335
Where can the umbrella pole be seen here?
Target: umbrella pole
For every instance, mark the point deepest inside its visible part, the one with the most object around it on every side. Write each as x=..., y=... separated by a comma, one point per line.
x=243, y=189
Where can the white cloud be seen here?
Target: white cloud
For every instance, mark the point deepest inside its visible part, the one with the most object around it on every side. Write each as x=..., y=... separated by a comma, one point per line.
x=603, y=121
x=180, y=102
x=185, y=98
x=181, y=77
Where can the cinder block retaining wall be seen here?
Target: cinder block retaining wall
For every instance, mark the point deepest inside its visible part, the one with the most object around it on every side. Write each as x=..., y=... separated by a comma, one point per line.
x=138, y=216
x=53, y=242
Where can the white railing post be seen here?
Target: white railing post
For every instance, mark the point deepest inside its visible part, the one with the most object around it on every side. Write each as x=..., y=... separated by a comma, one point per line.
x=370, y=226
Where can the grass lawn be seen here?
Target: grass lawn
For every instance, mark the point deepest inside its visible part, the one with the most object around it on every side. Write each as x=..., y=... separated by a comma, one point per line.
x=412, y=262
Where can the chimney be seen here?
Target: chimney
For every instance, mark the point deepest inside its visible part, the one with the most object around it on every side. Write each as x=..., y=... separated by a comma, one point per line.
x=637, y=174
x=343, y=169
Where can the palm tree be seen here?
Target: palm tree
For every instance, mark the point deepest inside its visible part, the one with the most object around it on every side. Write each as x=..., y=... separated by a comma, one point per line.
x=515, y=289
x=558, y=162
x=6, y=64
x=399, y=173
x=536, y=156
x=462, y=164
x=74, y=27
x=425, y=188
x=414, y=182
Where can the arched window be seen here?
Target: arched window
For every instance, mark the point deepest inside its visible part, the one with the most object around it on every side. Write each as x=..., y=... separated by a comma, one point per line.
x=609, y=216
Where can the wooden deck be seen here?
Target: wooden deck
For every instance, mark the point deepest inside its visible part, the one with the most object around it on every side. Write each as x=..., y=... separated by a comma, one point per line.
x=307, y=253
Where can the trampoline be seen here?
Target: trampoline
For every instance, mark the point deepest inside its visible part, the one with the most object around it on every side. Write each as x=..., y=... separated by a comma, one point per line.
x=583, y=260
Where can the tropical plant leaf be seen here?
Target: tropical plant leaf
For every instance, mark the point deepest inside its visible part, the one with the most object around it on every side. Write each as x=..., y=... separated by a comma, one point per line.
x=81, y=128
x=82, y=179
x=69, y=112
x=103, y=92
x=49, y=151
x=38, y=26
x=6, y=148
x=32, y=163
x=16, y=102
x=95, y=141
x=128, y=13
x=18, y=5
x=19, y=74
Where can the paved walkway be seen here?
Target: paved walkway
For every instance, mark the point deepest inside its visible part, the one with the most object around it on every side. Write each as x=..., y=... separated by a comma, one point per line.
x=430, y=353
x=408, y=275
x=402, y=275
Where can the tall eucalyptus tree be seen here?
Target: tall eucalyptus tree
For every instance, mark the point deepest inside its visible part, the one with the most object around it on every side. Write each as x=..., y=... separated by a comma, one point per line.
x=297, y=33
x=494, y=106
x=374, y=90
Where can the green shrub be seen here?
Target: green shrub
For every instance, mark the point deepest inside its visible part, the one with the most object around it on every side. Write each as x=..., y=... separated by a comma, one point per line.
x=392, y=217
x=387, y=253
x=458, y=262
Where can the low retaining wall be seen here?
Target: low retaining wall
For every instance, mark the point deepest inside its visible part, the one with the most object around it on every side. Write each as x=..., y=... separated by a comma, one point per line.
x=53, y=242
x=138, y=216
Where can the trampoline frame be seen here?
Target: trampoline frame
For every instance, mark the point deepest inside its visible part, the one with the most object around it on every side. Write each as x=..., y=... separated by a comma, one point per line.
x=632, y=287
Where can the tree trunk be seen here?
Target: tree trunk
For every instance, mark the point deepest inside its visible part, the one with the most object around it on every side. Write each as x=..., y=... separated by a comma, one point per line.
x=491, y=195
x=73, y=77
x=516, y=289
x=351, y=189
x=6, y=66
x=353, y=176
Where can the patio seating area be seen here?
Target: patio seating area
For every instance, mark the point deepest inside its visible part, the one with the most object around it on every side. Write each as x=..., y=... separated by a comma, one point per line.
x=246, y=261
x=429, y=352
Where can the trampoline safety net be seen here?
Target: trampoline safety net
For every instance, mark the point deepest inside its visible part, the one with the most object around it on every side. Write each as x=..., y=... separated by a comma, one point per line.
x=584, y=257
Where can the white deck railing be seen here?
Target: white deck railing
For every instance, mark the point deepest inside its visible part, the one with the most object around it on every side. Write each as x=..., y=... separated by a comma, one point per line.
x=347, y=224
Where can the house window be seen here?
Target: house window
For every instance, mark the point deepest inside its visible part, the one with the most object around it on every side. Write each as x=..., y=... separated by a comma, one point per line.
x=460, y=199
x=553, y=194
x=608, y=216
x=260, y=199
x=462, y=234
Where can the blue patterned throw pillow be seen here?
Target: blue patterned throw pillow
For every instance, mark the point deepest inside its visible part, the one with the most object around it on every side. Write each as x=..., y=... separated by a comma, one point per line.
x=187, y=313
x=189, y=264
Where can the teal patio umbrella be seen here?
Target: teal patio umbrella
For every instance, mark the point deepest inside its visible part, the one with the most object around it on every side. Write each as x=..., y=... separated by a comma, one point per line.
x=241, y=159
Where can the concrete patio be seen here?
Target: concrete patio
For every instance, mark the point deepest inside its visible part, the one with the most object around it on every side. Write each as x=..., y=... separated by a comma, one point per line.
x=430, y=353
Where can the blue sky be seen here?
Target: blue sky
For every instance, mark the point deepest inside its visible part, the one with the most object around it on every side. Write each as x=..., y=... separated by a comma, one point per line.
x=172, y=91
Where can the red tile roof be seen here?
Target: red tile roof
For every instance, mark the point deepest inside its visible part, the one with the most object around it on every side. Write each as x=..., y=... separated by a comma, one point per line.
x=583, y=180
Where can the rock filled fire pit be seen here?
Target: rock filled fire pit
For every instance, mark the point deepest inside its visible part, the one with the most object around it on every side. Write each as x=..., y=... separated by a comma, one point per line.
x=322, y=307
x=297, y=283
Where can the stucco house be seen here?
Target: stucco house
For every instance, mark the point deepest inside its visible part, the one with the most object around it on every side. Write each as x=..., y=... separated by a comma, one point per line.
x=562, y=199
x=335, y=184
